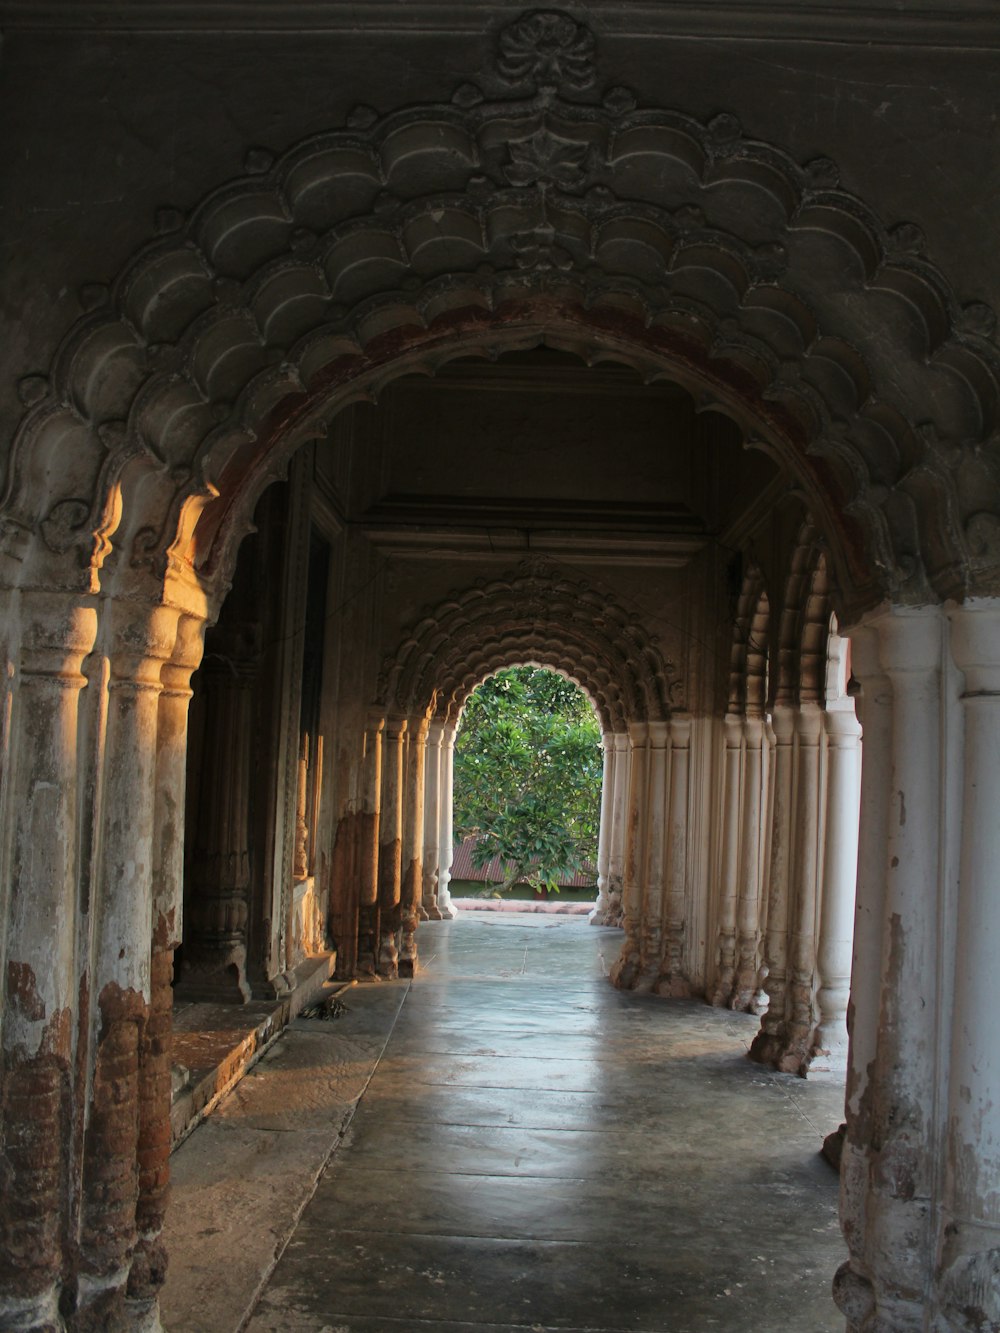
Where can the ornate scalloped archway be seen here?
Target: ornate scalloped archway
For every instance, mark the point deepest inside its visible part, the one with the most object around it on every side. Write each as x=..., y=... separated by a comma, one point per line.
x=534, y=614
x=536, y=207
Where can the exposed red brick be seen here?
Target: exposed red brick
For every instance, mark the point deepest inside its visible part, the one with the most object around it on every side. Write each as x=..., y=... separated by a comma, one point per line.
x=110, y=1168
x=149, y=1262
x=35, y=1112
x=21, y=992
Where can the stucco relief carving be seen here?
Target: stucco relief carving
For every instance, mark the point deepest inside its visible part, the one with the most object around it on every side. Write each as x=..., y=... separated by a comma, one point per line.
x=534, y=614
x=547, y=48
x=687, y=249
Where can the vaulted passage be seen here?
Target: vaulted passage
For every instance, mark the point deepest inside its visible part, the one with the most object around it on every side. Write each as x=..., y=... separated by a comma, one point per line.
x=560, y=363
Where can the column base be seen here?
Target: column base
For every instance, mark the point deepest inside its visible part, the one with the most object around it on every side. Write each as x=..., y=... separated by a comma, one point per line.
x=32, y=1314
x=832, y=1150
x=144, y=1316
x=829, y=1059
x=625, y=972
x=388, y=958
x=673, y=986
x=101, y=1305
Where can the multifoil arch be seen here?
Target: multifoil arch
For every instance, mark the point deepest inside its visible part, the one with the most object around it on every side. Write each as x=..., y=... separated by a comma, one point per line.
x=533, y=206
x=533, y=614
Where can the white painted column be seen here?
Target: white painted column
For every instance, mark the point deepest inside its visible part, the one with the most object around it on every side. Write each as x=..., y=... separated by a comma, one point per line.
x=729, y=866
x=769, y=1042
x=840, y=873
x=969, y=1257
x=390, y=844
x=673, y=980
x=148, y=1261
x=42, y=993
x=413, y=844
x=371, y=802
x=852, y=1287
x=619, y=813
x=141, y=638
x=600, y=910
x=626, y=969
x=804, y=893
x=745, y=985
x=446, y=835
x=432, y=821
x=890, y=1280
x=900, y=1246
x=654, y=867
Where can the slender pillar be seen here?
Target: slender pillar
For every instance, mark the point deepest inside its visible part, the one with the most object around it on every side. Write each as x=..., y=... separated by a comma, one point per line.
x=673, y=980
x=969, y=1251
x=745, y=985
x=729, y=868
x=40, y=966
x=625, y=970
x=771, y=1038
x=446, y=836
x=616, y=839
x=413, y=844
x=598, y=915
x=371, y=798
x=390, y=845
x=141, y=638
x=149, y=1262
x=432, y=820
x=804, y=893
x=853, y=1290
x=654, y=869
x=840, y=873
x=889, y=1277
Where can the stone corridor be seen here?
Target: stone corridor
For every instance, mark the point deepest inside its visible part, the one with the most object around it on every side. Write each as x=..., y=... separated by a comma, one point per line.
x=508, y=1143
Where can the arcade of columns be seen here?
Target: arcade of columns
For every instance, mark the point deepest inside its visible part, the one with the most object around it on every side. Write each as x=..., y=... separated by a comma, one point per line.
x=849, y=582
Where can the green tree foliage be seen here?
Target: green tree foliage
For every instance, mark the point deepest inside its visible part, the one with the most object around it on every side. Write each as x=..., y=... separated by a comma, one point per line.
x=528, y=765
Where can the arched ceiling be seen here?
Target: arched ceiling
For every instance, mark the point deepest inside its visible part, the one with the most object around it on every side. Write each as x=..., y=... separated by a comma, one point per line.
x=538, y=207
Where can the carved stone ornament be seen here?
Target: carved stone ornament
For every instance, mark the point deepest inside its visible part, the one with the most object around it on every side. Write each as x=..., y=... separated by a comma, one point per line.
x=548, y=49
x=548, y=213
x=534, y=614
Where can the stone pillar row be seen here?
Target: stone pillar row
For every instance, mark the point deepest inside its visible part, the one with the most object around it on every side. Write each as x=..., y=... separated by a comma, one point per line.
x=798, y=784
x=648, y=827
x=99, y=691
x=406, y=839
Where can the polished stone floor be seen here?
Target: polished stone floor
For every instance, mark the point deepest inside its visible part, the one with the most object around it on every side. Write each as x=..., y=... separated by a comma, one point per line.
x=508, y=1143
x=534, y=1150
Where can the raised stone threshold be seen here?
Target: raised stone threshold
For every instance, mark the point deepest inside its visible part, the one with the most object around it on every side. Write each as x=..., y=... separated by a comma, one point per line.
x=214, y=1045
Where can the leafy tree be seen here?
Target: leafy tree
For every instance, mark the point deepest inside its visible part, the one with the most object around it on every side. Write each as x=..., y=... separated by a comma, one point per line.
x=528, y=765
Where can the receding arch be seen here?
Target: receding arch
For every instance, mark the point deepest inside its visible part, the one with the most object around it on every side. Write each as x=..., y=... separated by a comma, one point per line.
x=536, y=613
x=808, y=545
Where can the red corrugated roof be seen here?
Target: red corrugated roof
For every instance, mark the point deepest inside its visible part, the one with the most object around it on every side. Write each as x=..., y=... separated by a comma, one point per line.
x=494, y=871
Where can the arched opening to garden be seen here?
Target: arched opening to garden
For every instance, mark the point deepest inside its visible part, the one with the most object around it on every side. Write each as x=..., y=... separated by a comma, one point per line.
x=526, y=794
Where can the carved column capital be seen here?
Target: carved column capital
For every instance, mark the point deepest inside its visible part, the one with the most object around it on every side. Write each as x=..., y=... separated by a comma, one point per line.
x=975, y=645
